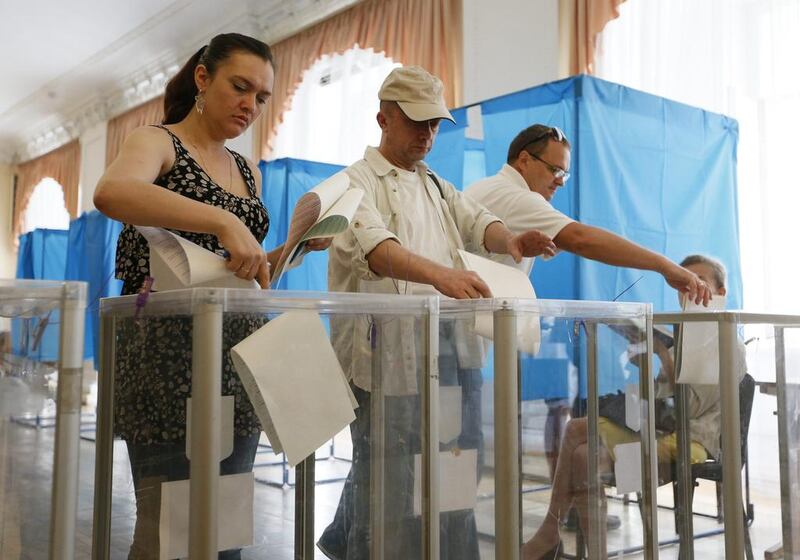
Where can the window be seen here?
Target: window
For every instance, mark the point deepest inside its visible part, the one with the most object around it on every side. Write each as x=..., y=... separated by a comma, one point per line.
x=46, y=207
x=734, y=57
x=332, y=116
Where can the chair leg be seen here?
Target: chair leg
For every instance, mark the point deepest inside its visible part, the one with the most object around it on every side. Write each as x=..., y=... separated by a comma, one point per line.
x=720, y=516
x=580, y=548
x=682, y=546
x=748, y=547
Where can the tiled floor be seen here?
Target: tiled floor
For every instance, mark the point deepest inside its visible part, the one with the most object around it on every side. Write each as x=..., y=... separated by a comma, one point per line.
x=26, y=474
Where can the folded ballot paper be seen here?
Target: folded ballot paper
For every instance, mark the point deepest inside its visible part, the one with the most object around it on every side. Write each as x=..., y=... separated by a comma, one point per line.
x=457, y=480
x=234, y=515
x=505, y=282
x=324, y=211
x=177, y=263
x=294, y=380
x=698, y=361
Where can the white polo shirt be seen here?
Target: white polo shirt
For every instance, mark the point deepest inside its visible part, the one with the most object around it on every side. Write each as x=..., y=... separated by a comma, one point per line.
x=507, y=196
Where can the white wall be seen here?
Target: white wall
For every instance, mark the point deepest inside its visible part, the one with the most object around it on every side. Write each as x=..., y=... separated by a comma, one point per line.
x=93, y=162
x=509, y=45
x=8, y=254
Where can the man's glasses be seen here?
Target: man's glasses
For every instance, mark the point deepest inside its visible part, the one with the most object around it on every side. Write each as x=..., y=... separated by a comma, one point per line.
x=557, y=172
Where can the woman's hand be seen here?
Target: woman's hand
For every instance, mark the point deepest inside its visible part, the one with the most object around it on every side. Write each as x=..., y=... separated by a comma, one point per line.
x=247, y=258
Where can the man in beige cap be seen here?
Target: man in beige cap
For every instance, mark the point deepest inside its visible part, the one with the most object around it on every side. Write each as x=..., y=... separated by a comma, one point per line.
x=405, y=239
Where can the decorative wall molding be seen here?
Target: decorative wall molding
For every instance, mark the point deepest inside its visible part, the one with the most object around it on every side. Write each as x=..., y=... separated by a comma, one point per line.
x=270, y=21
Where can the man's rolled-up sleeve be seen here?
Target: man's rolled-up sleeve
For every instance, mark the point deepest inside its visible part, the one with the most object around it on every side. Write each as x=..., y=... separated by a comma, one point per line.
x=471, y=218
x=367, y=230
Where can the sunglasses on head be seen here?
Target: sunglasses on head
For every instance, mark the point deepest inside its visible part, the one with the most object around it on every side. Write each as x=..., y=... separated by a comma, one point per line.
x=553, y=132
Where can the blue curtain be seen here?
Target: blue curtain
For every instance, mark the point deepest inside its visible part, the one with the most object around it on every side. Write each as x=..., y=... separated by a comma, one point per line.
x=660, y=173
x=90, y=258
x=42, y=256
x=284, y=181
x=447, y=157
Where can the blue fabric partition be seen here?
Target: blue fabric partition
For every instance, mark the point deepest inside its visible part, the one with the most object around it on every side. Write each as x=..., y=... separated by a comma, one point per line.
x=660, y=173
x=284, y=181
x=447, y=157
x=90, y=258
x=42, y=256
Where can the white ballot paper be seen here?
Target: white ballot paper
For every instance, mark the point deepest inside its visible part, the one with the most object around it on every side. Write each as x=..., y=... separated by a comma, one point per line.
x=627, y=467
x=632, y=411
x=458, y=480
x=699, y=344
x=324, y=211
x=505, y=282
x=294, y=380
x=449, y=412
x=234, y=515
x=177, y=263
x=225, y=427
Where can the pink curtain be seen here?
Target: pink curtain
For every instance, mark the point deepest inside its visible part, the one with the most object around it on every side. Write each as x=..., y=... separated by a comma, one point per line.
x=581, y=21
x=63, y=165
x=151, y=112
x=427, y=33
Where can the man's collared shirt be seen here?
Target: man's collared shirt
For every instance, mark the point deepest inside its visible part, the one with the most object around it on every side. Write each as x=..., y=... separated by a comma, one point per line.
x=508, y=196
x=385, y=212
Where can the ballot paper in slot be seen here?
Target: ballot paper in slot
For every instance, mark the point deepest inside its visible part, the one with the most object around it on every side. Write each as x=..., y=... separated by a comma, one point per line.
x=627, y=467
x=177, y=263
x=698, y=361
x=324, y=211
x=295, y=383
x=225, y=427
x=505, y=282
x=234, y=515
x=458, y=480
x=450, y=411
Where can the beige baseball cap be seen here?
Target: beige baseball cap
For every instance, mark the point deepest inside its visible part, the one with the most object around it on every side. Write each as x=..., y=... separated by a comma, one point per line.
x=418, y=93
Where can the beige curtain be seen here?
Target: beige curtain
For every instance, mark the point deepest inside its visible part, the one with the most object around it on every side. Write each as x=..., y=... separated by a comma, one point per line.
x=427, y=33
x=63, y=165
x=580, y=22
x=119, y=127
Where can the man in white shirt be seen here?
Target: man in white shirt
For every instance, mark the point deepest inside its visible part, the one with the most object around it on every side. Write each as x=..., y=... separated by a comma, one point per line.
x=537, y=166
x=404, y=238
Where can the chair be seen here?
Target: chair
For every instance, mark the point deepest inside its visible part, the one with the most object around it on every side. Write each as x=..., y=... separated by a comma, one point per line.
x=712, y=469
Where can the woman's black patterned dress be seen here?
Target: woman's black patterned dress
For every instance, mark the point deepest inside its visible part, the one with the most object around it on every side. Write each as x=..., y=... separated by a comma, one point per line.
x=154, y=355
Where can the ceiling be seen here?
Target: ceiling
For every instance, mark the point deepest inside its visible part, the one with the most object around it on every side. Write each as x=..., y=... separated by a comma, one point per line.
x=69, y=65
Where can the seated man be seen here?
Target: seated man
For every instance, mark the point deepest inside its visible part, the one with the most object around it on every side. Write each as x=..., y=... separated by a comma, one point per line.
x=570, y=483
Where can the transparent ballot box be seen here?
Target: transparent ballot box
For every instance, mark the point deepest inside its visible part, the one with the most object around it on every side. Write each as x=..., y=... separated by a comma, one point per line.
x=41, y=328
x=339, y=384
x=734, y=480
x=550, y=428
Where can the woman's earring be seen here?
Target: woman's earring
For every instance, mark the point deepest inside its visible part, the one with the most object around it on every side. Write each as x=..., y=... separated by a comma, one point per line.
x=200, y=102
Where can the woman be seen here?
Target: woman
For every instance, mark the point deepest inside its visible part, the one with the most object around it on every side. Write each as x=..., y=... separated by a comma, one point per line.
x=570, y=483
x=181, y=176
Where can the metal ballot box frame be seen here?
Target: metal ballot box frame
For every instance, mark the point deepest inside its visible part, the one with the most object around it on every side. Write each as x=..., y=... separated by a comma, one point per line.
x=728, y=323
x=26, y=299
x=206, y=307
x=594, y=326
